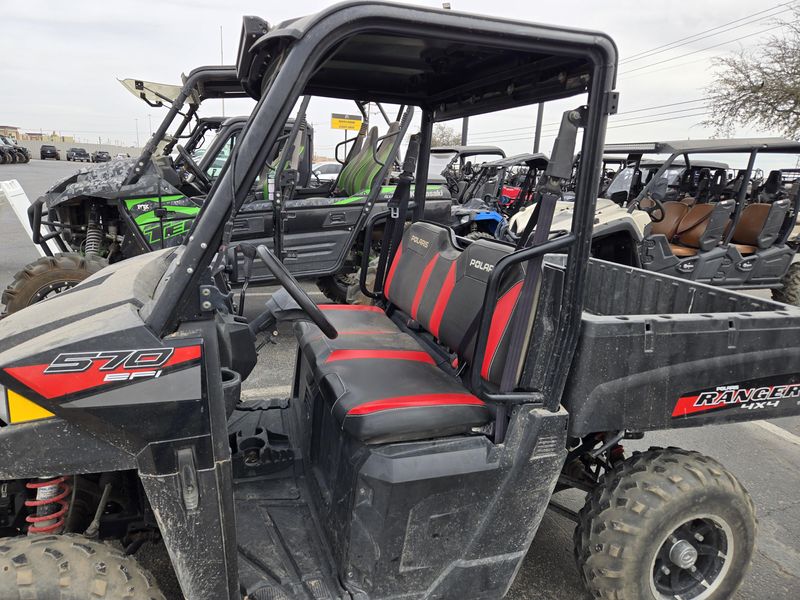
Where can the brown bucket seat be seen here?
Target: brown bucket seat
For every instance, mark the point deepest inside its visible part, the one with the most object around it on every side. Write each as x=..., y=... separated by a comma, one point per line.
x=701, y=228
x=759, y=226
x=673, y=214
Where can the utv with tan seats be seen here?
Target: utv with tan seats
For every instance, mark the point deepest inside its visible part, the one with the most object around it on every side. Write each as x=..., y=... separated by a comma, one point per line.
x=425, y=435
x=698, y=219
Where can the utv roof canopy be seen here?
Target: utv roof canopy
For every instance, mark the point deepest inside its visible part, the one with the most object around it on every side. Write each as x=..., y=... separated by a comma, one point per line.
x=537, y=160
x=467, y=150
x=774, y=145
x=451, y=63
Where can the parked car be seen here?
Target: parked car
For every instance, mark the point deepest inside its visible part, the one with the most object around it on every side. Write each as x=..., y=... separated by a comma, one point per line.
x=326, y=171
x=122, y=155
x=100, y=156
x=48, y=151
x=78, y=154
x=15, y=152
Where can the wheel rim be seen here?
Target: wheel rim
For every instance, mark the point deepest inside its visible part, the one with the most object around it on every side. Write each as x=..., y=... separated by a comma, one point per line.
x=52, y=289
x=693, y=560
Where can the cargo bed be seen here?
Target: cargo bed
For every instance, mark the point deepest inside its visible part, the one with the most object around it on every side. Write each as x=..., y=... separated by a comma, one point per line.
x=658, y=352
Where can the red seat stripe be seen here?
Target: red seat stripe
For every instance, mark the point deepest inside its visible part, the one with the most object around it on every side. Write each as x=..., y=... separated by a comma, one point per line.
x=414, y=355
x=420, y=401
x=392, y=269
x=442, y=300
x=359, y=307
x=423, y=283
x=500, y=319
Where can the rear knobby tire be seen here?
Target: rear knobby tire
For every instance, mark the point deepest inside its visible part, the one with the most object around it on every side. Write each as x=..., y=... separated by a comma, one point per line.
x=70, y=566
x=790, y=292
x=48, y=276
x=480, y=235
x=639, y=513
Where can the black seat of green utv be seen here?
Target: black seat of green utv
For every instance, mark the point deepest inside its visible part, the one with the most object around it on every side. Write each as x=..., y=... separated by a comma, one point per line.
x=379, y=379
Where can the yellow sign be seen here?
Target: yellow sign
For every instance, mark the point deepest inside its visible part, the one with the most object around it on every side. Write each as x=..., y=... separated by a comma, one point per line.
x=348, y=122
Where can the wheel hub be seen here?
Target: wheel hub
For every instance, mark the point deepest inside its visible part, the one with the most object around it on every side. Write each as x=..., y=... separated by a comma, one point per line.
x=683, y=554
x=693, y=559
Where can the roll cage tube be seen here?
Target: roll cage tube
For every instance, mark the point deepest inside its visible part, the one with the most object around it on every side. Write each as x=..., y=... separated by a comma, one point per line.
x=284, y=81
x=279, y=187
x=197, y=76
x=421, y=179
x=187, y=118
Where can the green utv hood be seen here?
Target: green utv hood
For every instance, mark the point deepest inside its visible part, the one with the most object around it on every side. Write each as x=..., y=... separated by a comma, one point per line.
x=161, y=213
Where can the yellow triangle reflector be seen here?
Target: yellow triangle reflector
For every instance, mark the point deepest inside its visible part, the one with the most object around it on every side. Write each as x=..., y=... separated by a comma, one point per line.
x=20, y=409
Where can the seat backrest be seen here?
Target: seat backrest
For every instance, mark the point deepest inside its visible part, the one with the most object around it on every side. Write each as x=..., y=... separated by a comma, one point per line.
x=673, y=213
x=685, y=185
x=442, y=288
x=344, y=183
x=773, y=183
x=718, y=181
x=704, y=225
x=760, y=224
x=365, y=174
x=703, y=185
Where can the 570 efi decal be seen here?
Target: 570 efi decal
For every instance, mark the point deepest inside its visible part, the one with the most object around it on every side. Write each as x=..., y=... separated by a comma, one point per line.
x=75, y=372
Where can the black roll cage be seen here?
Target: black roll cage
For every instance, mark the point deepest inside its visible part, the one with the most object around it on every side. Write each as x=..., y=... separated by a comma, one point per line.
x=284, y=82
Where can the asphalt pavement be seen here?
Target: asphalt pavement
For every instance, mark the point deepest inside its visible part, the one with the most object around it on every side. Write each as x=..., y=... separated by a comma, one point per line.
x=764, y=456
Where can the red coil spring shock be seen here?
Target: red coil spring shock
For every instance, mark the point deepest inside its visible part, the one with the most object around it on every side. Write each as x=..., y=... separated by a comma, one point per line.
x=51, y=504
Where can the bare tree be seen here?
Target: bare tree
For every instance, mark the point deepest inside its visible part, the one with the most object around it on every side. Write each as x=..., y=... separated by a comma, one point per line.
x=761, y=87
x=443, y=135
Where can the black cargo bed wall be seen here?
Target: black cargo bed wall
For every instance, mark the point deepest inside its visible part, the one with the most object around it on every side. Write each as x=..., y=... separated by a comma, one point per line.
x=651, y=344
x=614, y=289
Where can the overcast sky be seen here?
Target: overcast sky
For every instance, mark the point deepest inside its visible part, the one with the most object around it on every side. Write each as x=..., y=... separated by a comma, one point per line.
x=62, y=60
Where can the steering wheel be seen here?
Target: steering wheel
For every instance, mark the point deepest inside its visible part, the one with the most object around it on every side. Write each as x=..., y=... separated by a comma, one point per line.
x=191, y=166
x=654, y=208
x=299, y=295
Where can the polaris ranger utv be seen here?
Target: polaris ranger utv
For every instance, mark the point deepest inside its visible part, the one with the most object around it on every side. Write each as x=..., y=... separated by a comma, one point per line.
x=693, y=218
x=426, y=435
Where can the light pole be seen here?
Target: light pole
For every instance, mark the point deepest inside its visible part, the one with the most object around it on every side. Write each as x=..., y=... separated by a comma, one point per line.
x=537, y=137
x=222, y=62
x=150, y=121
x=137, y=131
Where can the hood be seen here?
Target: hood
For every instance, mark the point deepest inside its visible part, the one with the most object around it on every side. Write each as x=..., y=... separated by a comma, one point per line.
x=107, y=301
x=105, y=181
x=606, y=212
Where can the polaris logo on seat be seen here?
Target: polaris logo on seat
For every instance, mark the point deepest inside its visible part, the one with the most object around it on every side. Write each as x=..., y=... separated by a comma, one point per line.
x=480, y=265
x=420, y=241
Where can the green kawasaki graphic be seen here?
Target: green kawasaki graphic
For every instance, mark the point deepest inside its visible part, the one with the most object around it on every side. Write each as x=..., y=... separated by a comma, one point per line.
x=179, y=213
x=433, y=191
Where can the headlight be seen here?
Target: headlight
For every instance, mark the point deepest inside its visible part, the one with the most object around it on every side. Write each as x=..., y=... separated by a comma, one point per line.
x=16, y=408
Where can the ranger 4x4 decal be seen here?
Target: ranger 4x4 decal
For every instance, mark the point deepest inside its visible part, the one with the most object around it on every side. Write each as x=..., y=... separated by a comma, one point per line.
x=752, y=395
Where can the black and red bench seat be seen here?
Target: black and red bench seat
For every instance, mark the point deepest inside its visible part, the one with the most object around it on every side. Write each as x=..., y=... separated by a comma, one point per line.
x=380, y=382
